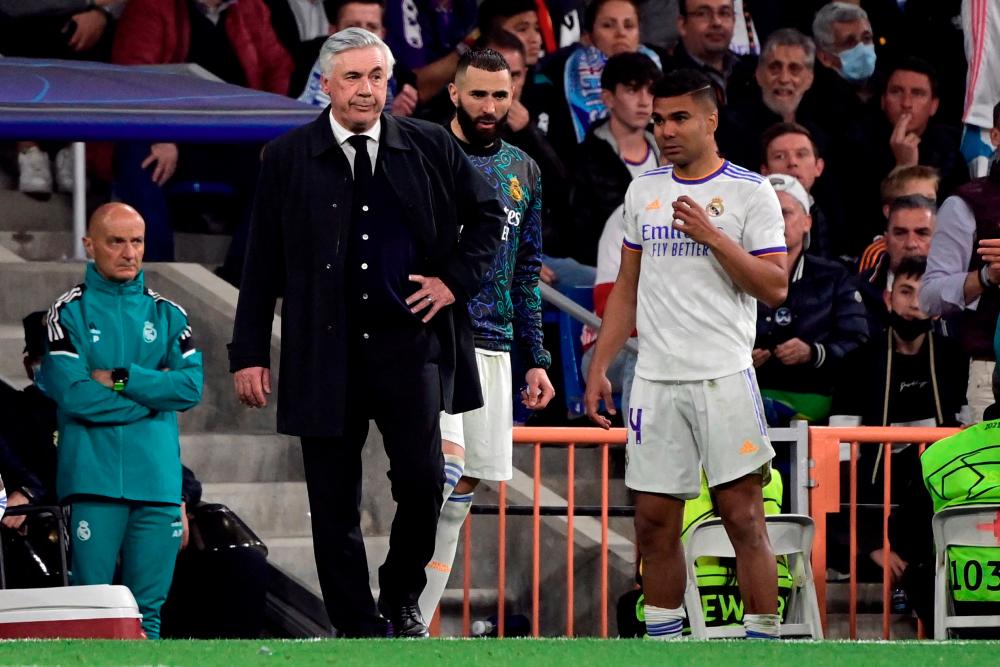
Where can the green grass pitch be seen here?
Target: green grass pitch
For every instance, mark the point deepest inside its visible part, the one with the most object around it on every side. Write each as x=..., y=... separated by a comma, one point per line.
x=519, y=652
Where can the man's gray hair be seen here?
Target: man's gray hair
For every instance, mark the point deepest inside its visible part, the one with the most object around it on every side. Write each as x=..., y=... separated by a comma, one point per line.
x=347, y=40
x=835, y=12
x=793, y=38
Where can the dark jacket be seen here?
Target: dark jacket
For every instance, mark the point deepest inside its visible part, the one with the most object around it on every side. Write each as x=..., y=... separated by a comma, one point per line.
x=823, y=309
x=600, y=181
x=298, y=248
x=861, y=383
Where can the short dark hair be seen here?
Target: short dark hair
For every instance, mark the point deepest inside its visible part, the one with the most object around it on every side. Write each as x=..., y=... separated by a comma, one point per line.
x=912, y=203
x=333, y=7
x=499, y=39
x=485, y=59
x=590, y=13
x=682, y=7
x=493, y=12
x=996, y=115
x=685, y=82
x=913, y=64
x=780, y=130
x=912, y=266
x=629, y=69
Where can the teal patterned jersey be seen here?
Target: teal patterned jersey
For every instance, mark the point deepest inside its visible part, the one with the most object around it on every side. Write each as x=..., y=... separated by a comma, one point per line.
x=508, y=307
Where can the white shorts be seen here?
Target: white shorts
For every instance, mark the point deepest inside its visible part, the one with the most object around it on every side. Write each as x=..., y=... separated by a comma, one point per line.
x=487, y=432
x=677, y=429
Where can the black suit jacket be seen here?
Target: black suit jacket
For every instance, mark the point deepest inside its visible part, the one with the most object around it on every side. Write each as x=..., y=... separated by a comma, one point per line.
x=298, y=245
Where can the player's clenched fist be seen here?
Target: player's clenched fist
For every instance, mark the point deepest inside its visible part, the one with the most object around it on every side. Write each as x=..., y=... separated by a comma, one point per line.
x=693, y=220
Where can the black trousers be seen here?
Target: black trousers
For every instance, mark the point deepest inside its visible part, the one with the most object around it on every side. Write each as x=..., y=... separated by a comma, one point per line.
x=393, y=378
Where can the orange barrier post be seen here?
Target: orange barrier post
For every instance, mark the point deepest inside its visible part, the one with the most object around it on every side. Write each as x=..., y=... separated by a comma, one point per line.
x=570, y=503
x=536, y=538
x=466, y=576
x=502, y=565
x=852, y=613
x=604, y=541
x=886, y=573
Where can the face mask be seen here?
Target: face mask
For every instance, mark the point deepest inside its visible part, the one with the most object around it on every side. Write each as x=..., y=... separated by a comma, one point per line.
x=858, y=63
x=908, y=329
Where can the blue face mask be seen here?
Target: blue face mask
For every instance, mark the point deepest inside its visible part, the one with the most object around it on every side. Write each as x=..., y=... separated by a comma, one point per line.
x=858, y=62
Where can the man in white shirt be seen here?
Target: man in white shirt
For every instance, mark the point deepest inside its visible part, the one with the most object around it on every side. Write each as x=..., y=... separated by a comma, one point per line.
x=704, y=239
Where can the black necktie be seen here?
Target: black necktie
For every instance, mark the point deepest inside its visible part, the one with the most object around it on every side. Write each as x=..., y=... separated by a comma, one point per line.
x=362, y=168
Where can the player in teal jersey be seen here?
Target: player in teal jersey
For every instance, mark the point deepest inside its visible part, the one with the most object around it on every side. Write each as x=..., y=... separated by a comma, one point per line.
x=506, y=311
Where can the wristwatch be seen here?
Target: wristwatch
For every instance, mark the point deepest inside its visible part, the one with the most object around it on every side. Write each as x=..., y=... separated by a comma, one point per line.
x=984, y=278
x=119, y=376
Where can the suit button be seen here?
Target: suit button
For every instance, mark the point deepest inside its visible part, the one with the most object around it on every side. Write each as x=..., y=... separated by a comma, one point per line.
x=365, y=208
x=328, y=267
x=364, y=266
x=365, y=336
x=329, y=327
x=364, y=296
x=364, y=237
x=334, y=205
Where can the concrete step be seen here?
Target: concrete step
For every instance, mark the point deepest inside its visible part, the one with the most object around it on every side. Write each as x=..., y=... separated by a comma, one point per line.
x=241, y=457
x=271, y=509
x=870, y=626
x=295, y=555
x=23, y=213
x=41, y=244
x=11, y=353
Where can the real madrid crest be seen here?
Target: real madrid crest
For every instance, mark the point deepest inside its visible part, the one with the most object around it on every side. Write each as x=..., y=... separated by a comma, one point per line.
x=516, y=193
x=715, y=207
x=148, y=332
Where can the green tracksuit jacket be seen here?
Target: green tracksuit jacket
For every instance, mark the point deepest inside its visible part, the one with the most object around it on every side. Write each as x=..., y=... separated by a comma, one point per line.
x=120, y=445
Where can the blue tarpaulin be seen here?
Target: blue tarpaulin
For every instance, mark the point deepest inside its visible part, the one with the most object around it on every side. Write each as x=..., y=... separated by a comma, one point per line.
x=69, y=100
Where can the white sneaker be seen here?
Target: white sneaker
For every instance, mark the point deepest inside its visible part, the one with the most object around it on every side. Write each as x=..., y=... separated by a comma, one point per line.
x=64, y=169
x=35, y=171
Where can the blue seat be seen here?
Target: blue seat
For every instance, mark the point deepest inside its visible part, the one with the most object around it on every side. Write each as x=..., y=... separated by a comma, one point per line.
x=571, y=350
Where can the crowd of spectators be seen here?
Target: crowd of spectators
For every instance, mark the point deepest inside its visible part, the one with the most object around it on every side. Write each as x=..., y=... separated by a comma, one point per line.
x=854, y=110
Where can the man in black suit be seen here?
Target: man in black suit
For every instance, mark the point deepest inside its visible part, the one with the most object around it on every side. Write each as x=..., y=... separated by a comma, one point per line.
x=375, y=278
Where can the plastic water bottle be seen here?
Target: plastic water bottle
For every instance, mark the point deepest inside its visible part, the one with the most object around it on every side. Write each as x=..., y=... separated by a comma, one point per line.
x=484, y=628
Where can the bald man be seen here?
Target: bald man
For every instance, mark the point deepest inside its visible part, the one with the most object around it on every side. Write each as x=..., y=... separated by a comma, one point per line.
x=121, y=363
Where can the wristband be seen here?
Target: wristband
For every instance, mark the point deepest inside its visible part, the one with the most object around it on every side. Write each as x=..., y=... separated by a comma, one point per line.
x=984, y=278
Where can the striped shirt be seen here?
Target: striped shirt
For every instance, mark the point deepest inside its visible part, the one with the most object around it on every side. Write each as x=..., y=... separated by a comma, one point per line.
x=694, y=322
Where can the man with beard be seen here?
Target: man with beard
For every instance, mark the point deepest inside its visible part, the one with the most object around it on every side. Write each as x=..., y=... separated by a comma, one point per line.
x=478, y=444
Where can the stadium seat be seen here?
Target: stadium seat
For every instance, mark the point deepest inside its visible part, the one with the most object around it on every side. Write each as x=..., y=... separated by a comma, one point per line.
x=791, y=535
x=571, y=351
x=970, y=526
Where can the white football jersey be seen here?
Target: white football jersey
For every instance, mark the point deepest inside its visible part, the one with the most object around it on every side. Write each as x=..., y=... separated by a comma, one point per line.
x=694, y=322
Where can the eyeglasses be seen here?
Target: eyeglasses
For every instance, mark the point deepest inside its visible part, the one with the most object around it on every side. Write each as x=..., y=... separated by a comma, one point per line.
x=707, y=13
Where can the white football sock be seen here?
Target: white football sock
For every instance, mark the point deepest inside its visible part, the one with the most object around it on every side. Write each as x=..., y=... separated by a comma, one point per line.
x=453, y=514
x=663, y=623
x=762, y=626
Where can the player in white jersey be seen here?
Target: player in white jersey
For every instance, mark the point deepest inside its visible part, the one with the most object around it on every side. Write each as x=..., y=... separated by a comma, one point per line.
x=703, y=239
x=981, y=27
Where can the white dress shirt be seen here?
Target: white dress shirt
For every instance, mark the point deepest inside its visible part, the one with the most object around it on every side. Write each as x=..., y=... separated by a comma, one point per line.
x=341, y=134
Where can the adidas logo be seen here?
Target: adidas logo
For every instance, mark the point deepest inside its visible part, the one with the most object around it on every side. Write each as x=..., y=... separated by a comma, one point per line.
x=653, y=205
x=748, y=448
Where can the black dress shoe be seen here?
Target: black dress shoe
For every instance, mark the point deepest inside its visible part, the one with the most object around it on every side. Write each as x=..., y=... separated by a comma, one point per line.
x=406, y=620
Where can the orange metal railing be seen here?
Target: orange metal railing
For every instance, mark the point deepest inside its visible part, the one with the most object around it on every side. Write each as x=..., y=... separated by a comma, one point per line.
x=824, y=499
x=537, y=437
